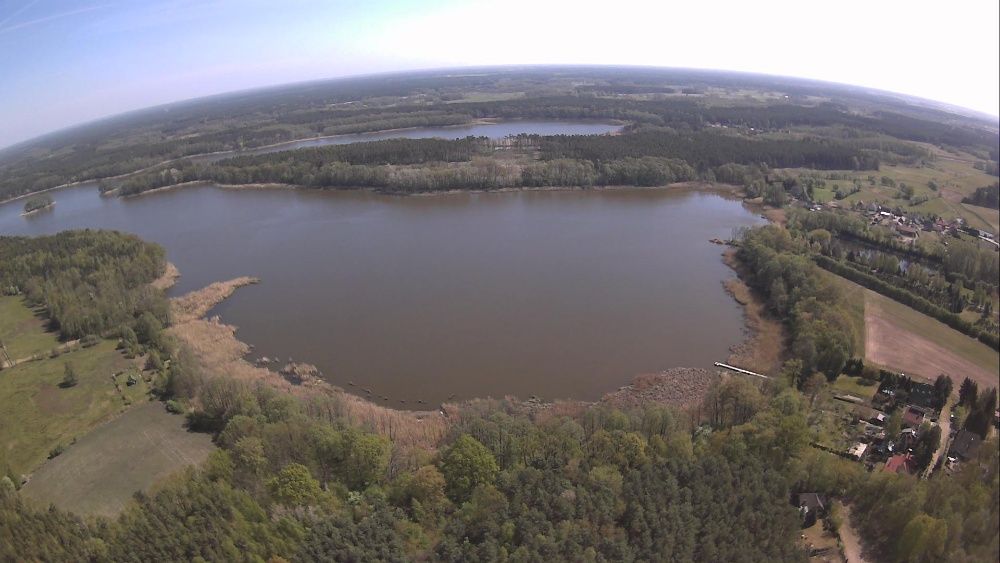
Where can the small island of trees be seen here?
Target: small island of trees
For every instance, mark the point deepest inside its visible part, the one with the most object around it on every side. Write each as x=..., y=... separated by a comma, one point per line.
x=37, y=203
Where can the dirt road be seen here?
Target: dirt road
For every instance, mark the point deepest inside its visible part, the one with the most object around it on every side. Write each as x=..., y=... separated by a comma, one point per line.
x=849, y=538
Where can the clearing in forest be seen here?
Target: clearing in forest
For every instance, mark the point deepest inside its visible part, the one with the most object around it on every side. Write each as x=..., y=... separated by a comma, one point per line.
x=100, y=473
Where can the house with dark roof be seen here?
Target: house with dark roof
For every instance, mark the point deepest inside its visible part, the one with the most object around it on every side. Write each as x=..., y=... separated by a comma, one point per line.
x=966, y=445
x=812, y=506
x=922, y=394
x=913, y=417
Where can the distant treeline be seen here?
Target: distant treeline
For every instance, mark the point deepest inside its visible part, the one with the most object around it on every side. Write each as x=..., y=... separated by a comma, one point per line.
x=124, y=145
x=641, y=159
x=986, y=196
x=709, y=149
x=90, y=282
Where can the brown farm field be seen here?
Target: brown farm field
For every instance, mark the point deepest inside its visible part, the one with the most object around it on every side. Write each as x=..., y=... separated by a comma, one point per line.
x=905, y=340
x=100, y=473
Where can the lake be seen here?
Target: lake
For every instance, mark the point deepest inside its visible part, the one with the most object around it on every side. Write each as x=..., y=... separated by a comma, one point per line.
x=494, y=130
x=558, y=294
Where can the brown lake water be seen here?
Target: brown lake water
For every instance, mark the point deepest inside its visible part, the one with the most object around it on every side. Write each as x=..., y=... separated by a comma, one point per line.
x=562, y=294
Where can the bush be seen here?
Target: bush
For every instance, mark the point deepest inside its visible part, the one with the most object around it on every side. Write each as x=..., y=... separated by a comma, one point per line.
x=175, y=407
x=90, y=340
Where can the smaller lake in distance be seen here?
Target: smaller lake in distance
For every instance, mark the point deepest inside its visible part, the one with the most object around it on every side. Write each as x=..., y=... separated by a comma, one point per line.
x=494, y=130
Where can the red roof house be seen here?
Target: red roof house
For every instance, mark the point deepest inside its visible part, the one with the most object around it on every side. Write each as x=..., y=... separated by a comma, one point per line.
x=901, y=464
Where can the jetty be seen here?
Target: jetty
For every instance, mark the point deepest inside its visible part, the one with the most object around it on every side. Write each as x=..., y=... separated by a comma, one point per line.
x=740, y=370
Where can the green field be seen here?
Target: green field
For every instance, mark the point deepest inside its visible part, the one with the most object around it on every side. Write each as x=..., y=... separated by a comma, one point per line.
x=101, y=472
x=955, y=176
x=23, y=331
x=36, y=414
x=854, y=298
x=848, y=385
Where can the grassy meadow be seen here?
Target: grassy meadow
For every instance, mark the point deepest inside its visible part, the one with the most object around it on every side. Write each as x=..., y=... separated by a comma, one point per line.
x=36, y=414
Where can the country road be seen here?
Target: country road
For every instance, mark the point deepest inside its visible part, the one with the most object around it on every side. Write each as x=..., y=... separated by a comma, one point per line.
x=849, y=538
x=944, y=421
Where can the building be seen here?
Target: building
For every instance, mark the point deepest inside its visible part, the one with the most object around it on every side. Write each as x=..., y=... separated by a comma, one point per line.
x=922, y=394
x=857, y=451
x=913, y=417
x=901, y=464
x=966, y=445
x=812, y=506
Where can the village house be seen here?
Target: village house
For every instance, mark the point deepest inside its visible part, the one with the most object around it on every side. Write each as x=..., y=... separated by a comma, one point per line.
x=913, y=417
x=901, y=464
x=965, y=446
x=812, y=506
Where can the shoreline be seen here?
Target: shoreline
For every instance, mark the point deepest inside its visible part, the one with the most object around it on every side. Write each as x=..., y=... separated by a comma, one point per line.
x=725, y=190
x=249, y=152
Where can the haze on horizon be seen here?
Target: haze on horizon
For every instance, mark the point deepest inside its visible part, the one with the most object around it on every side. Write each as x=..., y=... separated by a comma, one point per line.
x=63, y=63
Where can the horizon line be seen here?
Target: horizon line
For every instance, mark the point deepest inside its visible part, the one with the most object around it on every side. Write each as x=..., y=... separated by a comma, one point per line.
x=993, y=119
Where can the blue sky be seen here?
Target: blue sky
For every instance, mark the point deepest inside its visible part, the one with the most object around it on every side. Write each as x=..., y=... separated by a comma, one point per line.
x=65, y=62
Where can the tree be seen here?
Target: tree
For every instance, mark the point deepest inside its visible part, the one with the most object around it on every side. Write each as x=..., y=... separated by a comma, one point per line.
x=812, y=387
x=967, y=392
x=466, y=465
x=942, y=390
x=69, y=376
x=923, y=539
x=366, y=460
x=928, y=443
x=894, y=425
x=294, y=485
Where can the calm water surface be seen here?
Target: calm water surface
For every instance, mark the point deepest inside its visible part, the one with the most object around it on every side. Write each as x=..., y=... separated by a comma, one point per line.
x=554, y=294
x=497, y=130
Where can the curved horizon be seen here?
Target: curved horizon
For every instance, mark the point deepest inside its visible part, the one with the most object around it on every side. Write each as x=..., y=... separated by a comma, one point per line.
x=67, y=63
x=928, y=102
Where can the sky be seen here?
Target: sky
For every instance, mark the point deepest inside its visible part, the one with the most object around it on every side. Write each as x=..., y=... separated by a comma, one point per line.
x=67, y=62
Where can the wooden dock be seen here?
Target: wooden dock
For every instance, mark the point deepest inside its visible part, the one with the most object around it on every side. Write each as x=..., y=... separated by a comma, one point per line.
x=740, y=370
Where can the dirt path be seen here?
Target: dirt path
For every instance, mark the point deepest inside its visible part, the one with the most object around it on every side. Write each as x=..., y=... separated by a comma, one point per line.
x=944, y=421
x=890, y=342
x=849, y=538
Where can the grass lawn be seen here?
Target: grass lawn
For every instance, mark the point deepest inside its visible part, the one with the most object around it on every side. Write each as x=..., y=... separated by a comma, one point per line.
x=847, y=385
x=36, y=415
x=100, y=473
x=22, y=331
x=854, y=296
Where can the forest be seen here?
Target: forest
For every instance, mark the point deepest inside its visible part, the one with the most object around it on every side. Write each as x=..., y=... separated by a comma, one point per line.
x=649, y=158
x=87, y=282
x=986, y=196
